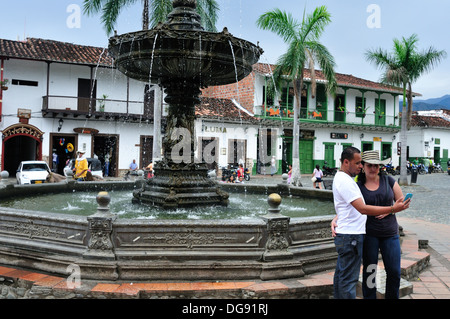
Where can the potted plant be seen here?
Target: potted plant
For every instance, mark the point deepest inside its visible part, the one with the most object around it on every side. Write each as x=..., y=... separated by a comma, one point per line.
x=341, y=109
x=362, y=111
x=4, y=84
x=102, y=103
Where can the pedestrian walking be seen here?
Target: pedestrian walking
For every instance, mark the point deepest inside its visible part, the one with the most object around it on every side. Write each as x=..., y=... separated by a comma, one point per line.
x=273, y=166
x=317, y=177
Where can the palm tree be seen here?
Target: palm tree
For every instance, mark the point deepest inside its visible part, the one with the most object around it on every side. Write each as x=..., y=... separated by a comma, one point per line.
x=154, y=11
x=402, y=67
x=304, y=50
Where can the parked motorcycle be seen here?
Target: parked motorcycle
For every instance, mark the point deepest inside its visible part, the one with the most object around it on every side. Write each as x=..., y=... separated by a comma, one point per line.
x=232, y=171
x=390, y=169
x=437, y=168
x=409, y=167
x=421, y=169
x=246, y=174
x=328, y=171
x=227, y=173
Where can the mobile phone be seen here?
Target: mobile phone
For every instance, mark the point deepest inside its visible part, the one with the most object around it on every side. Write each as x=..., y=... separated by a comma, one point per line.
x=408, y=196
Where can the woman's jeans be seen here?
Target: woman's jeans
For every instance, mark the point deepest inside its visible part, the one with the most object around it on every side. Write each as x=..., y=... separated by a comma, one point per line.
x=390, y=251
x=348, y=266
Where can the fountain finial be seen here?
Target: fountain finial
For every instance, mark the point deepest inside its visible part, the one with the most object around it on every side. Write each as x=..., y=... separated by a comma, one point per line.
x=184, y=16
x=184, y=3
x=274, y=201
x=103, y=199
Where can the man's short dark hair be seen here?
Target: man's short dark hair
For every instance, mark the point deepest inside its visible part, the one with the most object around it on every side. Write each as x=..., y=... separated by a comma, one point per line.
x=348, y=153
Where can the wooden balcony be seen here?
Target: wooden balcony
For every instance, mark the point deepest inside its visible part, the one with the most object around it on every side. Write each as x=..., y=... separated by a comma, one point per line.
x=321, y=117
x=54, y=106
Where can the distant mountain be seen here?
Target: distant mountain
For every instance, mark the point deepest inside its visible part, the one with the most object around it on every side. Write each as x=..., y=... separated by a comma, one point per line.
x=444, y=100
x=431, y=104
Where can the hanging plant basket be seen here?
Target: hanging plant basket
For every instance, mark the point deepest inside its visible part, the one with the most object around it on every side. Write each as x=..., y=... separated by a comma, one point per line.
x=4, y=84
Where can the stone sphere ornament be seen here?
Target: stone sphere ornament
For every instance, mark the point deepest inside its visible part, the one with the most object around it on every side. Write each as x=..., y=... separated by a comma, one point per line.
x=274, y=200
x=103, y=199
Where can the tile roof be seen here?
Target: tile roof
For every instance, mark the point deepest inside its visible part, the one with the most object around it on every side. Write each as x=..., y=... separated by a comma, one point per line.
x=429, y=121
x=343, y=80
x=54, y=51
x=223, y=109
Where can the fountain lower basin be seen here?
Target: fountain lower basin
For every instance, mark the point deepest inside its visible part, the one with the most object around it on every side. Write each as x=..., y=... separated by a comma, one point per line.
x=105, y=247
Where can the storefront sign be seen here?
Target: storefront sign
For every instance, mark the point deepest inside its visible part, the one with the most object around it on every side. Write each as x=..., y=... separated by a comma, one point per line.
x=339, y=136
x=306, y=135
x=214, y=129
x=23, y=113
x=85, y=130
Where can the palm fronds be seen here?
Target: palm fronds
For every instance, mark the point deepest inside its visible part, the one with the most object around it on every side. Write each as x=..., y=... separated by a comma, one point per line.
x=402, y=67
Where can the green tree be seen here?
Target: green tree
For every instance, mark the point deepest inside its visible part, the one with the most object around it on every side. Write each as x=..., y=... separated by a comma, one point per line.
x=154, y=11
x=402, y=67
x=304, y=50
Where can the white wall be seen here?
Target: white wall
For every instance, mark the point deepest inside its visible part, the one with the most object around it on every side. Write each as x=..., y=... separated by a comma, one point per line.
x=417, y=138
x=206, y=128
x=64, y=82
x=354, y=138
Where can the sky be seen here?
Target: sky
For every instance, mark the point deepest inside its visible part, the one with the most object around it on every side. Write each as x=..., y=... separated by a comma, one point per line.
x=357, y=26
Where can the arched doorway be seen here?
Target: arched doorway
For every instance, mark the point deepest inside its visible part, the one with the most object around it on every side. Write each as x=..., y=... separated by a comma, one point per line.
x=21, y=142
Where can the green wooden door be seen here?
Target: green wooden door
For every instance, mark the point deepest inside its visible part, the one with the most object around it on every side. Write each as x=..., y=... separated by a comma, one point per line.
x=329, y=154
x=444, y=158
x=380, y=113
x=306, y=156
x=386, y=150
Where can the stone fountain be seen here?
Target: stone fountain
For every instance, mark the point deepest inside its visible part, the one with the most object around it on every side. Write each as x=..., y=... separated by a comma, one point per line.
x=183, y=58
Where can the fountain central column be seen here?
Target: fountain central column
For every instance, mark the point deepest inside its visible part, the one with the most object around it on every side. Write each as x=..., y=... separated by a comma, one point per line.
x=180, y=179
x=179, y=141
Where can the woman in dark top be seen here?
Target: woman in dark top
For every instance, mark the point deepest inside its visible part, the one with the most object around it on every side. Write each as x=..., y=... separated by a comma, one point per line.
x=381, y=231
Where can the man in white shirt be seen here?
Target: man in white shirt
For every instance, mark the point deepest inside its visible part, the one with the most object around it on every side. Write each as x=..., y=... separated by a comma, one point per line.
x=349, y=234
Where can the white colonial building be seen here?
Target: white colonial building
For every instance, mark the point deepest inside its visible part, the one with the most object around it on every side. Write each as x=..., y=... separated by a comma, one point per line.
x=62, y=97
x=363, y=114
x=429, y=136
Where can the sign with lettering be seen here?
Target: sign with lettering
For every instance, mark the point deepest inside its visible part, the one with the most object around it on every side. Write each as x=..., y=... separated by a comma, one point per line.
x=24, y=113
x=339, y=136
x=85, y=130
x=214, y=129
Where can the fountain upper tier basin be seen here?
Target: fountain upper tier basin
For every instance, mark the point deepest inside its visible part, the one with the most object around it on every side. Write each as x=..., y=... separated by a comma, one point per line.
x=165, y=54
